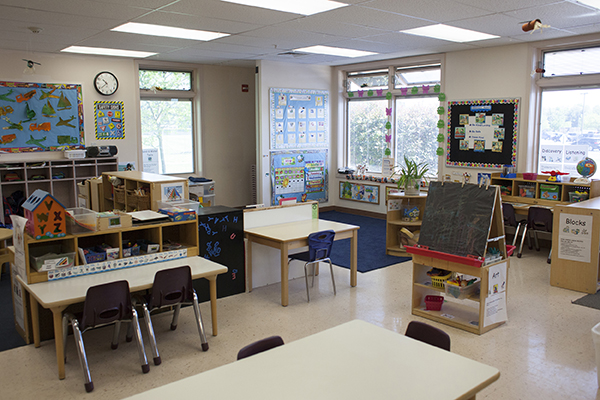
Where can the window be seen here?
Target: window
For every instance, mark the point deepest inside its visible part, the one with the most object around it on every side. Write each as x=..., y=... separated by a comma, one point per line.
x=415, y=130
x=167, y=119
x=569, y=127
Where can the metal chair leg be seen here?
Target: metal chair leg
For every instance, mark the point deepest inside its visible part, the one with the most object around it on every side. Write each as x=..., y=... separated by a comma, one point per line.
x=87, y=376
x=199, y=323
x=522, y=241
x=175, y=317
x=140, y=342
x=549, y=260
x=151, y=336
x=116, y=331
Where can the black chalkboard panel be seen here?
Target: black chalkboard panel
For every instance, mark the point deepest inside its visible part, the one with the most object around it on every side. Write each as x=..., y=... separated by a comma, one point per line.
x=221, y=231
x=457, y=218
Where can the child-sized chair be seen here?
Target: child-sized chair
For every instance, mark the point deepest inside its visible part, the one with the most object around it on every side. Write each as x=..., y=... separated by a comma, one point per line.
x=171, y=287
x=319, y=249
x=105, y=304
x=510, y=219
x=539, y=219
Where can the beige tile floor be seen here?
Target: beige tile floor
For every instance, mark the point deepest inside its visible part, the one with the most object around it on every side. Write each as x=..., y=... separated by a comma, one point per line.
x=545, y=351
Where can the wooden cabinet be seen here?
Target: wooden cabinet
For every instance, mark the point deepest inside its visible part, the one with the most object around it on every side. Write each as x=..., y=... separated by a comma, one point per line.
x=397, y=203
x=140, y=190
x=466, y=314
x=57, y=177
x=184, y=234
x=514, y=186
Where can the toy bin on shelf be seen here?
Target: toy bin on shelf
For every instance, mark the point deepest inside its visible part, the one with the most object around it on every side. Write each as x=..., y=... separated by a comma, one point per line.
x=526, y=191
x=433, y=302
x=550, y=192
x=461, y=292
x=81, y=220
x=91, y=255
x=440, y=281
x=577, y=197
x=49, y=257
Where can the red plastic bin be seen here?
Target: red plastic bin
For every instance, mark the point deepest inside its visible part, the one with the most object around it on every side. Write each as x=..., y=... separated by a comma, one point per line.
x=434, y=303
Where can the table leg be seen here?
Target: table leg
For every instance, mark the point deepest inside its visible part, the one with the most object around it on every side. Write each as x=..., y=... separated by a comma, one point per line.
x=249, y=265
x=35, y=320
x=353, y=257
x=58, y=340
x=212, y=281
x=284, y=275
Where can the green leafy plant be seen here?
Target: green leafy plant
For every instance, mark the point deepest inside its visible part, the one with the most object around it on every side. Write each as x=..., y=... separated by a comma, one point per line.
x=410, y=174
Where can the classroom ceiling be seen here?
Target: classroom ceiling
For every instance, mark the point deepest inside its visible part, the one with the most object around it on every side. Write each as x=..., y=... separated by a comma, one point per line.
x=260, y=34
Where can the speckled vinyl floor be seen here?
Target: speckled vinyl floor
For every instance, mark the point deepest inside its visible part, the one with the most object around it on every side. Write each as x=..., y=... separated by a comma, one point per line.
x=544, y=351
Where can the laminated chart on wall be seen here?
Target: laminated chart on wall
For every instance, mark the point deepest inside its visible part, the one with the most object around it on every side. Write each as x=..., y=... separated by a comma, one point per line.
x=482, y=133
x=299, y=118
x=40, y=117
x=300, y=174
x=110, y=119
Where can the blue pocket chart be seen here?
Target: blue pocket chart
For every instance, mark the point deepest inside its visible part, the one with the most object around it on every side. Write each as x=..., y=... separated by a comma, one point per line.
x=301, y=174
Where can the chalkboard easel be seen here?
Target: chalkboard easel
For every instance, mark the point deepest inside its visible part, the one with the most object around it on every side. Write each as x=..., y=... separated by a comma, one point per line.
x=464, y=220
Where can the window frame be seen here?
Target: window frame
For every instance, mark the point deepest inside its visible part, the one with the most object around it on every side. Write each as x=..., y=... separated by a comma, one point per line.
x=193, y=95
x=428, y=62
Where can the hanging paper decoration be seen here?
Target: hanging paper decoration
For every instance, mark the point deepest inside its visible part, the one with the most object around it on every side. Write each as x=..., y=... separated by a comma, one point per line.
x=388, y=125
x=388, y=95
x=379, y=92
x=404, y=91
x=439, y=151
x=414, y=90
x=425, y=89
x=388, y=111
x=440, y=123
x=436, y=88
x=441, y=97
x=360, y=93
x=370, y=93
x=440, y=137
x=350, y=94
x=440, y=110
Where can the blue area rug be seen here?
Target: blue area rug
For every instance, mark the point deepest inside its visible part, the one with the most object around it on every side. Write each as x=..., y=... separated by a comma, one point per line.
x=371, y=242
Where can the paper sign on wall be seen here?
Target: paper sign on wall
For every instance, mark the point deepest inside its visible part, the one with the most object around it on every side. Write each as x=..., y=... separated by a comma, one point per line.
x=575, y=237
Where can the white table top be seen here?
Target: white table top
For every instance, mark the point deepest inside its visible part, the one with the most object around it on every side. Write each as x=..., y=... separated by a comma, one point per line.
x=72, y=290
x=355, y=360
x=299, y=229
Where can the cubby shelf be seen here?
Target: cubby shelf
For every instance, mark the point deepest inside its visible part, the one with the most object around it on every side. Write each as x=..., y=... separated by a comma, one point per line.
x=397, y=202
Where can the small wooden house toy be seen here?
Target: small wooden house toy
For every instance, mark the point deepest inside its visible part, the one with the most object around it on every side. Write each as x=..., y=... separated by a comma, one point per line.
x=45, y=216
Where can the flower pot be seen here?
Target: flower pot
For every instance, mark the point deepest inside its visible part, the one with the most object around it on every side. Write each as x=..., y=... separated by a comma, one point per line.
x=410, y=188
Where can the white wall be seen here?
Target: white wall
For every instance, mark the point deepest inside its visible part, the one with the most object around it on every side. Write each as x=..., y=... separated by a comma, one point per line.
x=227, y=113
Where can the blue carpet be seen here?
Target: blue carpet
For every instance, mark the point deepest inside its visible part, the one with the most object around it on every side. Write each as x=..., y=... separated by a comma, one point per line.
x=371, y=242
x=9, y=337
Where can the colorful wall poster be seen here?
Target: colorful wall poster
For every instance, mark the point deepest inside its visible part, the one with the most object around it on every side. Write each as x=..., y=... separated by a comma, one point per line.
x=40, y=117
x=110, y=120
x=359, y=192
x=172, y=192
x=301, y=174
x=299, y=118
x=482, y=133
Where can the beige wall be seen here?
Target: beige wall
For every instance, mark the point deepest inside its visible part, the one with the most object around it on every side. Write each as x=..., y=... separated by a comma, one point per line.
x=227, y=114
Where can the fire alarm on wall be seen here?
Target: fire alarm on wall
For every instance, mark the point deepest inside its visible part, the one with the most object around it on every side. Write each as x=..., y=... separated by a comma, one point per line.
x=244, y=88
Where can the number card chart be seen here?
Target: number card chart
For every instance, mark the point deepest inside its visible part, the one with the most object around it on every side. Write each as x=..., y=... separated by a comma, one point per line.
x=301, y=174
x=299, y=118
x=110, y=120
x=482, y=133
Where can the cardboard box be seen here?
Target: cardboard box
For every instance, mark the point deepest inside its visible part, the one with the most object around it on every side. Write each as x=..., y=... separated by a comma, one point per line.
x=111, y=220
x=96, y=193
x=177, y=214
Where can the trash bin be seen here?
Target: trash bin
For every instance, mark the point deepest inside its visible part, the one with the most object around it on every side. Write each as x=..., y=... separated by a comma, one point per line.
x=596, y=336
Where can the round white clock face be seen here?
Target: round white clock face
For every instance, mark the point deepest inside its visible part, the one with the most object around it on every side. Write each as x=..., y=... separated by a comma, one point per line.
x=106, y=83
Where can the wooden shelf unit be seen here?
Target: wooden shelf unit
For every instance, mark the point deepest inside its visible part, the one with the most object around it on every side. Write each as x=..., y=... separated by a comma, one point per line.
x=394, y=220
x=184, y=233
x=125, y=199
x=565, y=188
x=466, y=314
x=33, y=175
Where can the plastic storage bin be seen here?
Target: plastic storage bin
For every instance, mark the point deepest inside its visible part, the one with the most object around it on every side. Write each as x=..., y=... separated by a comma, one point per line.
x=461, y=292
x=550, y=192
x=434, y=303
x=46, y=258
x=440, y=281
x=526, y=191
x=577, y=197
x=81, y=220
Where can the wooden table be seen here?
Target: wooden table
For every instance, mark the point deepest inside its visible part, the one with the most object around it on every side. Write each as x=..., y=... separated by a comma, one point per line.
x=355, y=360
x=58, y=295
x=294, y=235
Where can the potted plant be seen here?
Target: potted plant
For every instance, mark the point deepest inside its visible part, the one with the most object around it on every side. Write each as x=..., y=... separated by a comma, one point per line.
x=410, y=176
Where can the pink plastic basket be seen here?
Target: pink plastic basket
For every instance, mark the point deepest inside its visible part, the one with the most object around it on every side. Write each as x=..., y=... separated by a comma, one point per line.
x=530, y=176
x=434, y=303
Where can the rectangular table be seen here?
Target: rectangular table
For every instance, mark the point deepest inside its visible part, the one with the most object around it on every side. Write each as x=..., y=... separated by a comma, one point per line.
x=294, y=235
x=355, y=360
x=58, y=295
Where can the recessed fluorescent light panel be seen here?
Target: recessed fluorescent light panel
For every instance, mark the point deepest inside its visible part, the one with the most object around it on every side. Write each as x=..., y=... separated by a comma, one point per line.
x=334, y=51
x=107, y=52
x=304, y=7
x=591, y=3
x=451, y=33
x=168, y=31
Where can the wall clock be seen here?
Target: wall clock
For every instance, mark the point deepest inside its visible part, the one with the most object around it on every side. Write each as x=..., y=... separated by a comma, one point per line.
x=106, y=83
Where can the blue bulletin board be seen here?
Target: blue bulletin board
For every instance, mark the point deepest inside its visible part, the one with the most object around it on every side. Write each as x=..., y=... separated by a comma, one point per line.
x=299, y=118
x=301, y=174
x=40, y=117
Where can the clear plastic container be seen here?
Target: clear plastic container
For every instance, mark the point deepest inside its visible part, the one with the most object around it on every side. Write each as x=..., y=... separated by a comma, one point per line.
x=461, y=292
x=81, y=220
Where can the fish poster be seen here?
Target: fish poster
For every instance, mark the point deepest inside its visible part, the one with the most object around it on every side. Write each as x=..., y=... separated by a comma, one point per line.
x=40, y=117
x=110, y=120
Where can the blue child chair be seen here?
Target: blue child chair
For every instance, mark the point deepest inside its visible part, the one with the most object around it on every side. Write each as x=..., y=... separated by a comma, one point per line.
x=319, y=249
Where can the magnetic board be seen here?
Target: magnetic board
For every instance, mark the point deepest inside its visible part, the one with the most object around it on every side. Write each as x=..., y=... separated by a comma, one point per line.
x=457, y=218
x=482, y=133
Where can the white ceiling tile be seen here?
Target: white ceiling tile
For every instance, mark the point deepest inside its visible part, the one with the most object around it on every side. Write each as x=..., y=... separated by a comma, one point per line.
x=195, y=22
x=432, y=10
x=559, y=15
x=322, y=24
x=504, y=5
x=362, y=16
